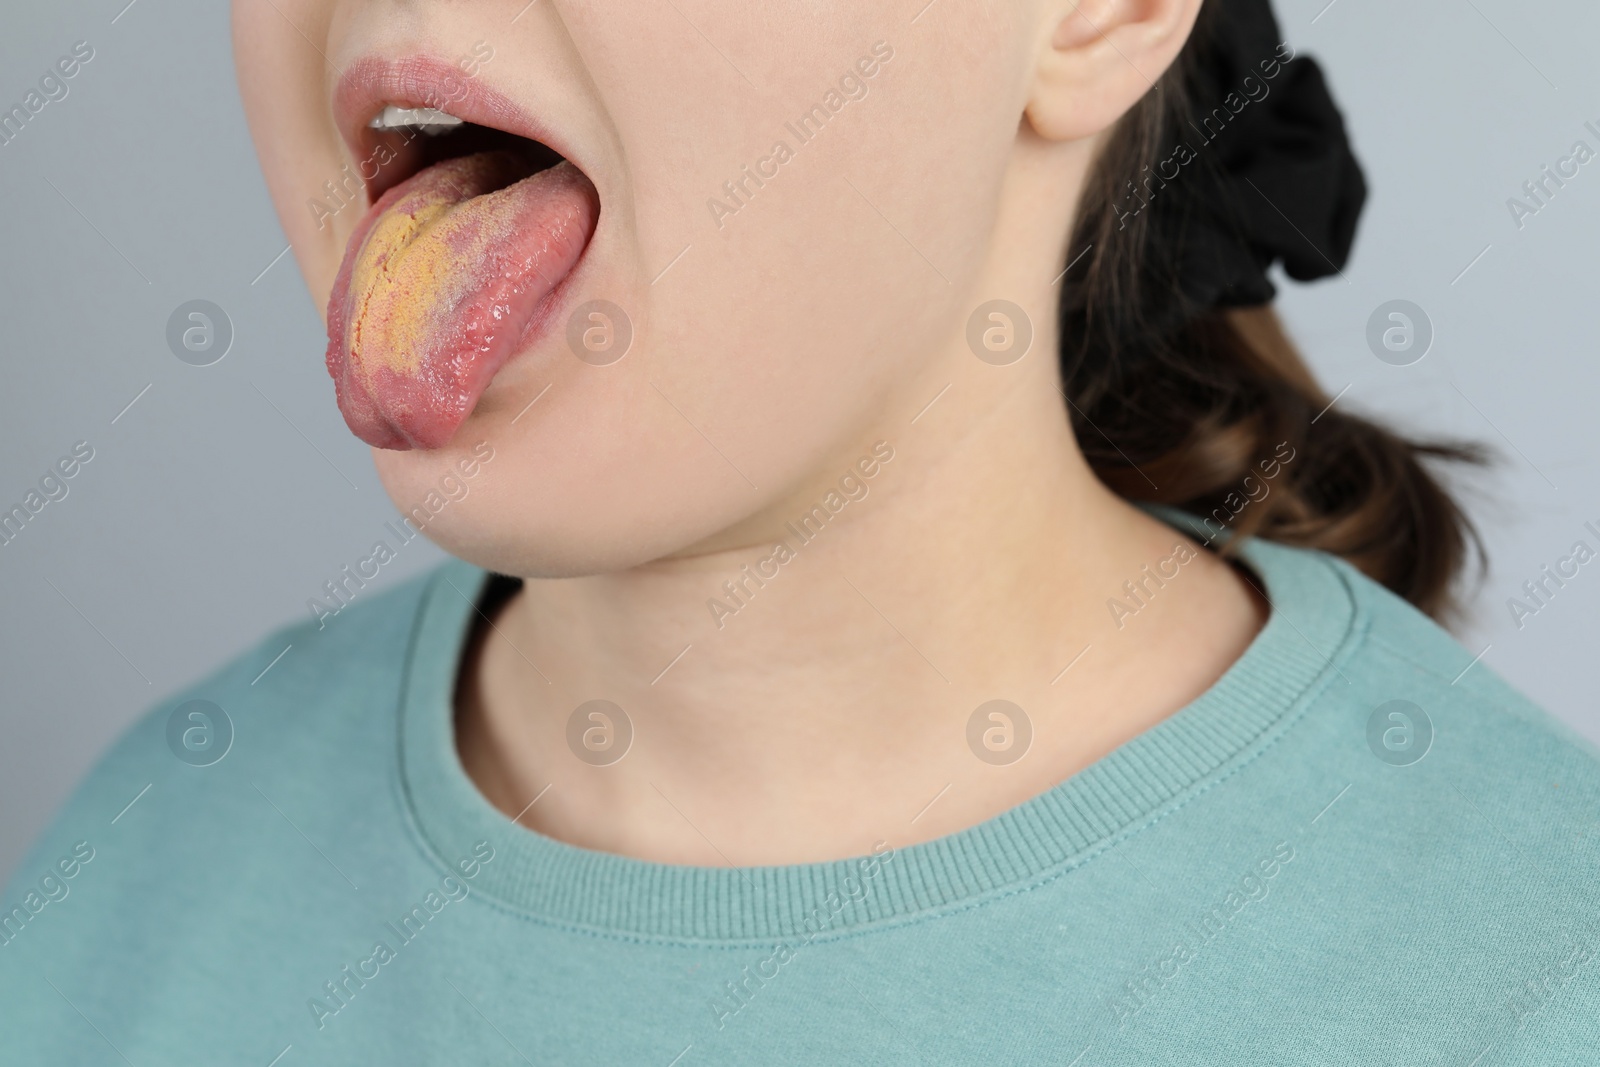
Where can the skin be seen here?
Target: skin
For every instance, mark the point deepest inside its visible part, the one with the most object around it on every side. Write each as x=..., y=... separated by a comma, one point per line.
x=823, y=317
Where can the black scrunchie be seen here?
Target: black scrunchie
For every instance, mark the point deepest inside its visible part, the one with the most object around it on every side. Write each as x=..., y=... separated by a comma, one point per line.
x=1277, y=182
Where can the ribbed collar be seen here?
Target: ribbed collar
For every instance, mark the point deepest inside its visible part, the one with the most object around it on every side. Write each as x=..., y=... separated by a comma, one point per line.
x=1313, y=623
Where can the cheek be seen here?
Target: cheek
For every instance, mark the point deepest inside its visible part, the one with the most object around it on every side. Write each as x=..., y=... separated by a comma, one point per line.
x=283, y=84
x=800, y=300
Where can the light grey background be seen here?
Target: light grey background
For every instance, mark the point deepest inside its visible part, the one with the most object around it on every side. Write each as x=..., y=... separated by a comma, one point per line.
x=224, y=497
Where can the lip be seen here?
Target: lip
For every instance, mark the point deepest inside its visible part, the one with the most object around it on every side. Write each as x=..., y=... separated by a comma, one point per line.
x=371, y=82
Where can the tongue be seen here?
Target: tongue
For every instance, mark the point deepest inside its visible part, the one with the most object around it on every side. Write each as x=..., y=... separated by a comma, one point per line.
x=438, y=285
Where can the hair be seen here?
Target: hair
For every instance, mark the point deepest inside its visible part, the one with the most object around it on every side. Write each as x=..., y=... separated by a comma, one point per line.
x=1192, y=406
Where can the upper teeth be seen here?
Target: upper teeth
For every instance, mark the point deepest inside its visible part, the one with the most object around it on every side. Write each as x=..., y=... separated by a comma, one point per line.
x=427, y=119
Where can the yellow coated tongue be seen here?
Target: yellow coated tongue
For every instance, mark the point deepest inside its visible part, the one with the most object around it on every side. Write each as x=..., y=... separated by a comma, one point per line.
x=413, y=269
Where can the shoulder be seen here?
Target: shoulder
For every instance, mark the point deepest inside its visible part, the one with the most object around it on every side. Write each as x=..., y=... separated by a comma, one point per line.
x=1455, y=765
x=318, y=696
x=202, y=834
x=304, y=684
x=1406, y=651
x=1405, y=714
x=1445, y=824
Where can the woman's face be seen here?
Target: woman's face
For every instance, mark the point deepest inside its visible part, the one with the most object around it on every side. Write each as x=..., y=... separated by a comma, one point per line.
x=793, y=206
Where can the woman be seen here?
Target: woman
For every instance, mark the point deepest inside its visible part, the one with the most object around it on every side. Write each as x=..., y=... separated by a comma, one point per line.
x=830, y=671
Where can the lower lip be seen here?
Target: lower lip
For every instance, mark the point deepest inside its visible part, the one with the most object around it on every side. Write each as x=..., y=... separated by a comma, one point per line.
x=450, y=274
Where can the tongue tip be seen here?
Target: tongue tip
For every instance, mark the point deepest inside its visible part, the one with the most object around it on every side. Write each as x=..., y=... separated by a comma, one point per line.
x=370, y=422
x=390, y=436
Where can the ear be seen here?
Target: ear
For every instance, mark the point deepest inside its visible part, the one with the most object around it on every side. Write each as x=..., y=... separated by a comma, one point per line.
x=1098, y=57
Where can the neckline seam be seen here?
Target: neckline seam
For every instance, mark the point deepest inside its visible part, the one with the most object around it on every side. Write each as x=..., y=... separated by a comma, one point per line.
x=637, y=926
x=1357, y=633
x=1356, y=636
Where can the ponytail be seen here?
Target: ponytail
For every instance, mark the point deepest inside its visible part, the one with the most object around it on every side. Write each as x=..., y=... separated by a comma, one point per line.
x=1184, y=388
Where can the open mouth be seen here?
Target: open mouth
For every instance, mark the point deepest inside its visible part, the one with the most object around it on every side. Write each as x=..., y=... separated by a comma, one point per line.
x=403, y=141
x=457, y=265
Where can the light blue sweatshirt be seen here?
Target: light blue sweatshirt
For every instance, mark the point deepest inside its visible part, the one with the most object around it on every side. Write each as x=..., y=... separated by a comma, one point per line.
x=1358, y=847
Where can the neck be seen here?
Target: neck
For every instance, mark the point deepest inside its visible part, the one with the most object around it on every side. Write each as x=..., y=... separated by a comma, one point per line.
x=800, y=705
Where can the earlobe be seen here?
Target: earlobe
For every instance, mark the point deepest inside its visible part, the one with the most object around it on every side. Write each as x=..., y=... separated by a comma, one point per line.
x=1098, y=57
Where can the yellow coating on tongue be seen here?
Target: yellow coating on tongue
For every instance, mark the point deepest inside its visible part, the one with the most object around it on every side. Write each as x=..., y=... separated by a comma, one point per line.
x=411, y=270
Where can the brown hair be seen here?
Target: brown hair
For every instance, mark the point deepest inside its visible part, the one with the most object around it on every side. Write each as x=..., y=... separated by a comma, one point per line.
x=1214, y=411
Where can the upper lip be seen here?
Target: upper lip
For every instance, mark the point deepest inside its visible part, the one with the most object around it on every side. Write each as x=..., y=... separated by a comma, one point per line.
x=371, y=82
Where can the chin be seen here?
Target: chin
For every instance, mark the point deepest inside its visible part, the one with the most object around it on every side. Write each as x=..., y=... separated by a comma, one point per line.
x=514, y=511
